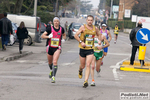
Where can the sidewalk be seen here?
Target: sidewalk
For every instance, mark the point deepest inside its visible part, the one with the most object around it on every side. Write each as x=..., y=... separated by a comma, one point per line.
x=12, y=52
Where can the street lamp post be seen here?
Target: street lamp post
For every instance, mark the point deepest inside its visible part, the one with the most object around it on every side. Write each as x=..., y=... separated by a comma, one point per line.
x=111, y=8
x=35, y=7
x=56, y=8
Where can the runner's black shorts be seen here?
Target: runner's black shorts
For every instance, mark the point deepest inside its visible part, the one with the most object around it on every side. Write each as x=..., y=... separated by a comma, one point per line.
x=84, y=53
x=51, y=50
x=116, y=34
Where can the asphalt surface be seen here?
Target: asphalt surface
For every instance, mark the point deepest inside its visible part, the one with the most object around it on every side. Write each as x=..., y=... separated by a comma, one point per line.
x=27, y=78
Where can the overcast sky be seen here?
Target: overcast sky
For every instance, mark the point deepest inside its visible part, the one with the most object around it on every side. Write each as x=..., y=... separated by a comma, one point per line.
x=95, y=3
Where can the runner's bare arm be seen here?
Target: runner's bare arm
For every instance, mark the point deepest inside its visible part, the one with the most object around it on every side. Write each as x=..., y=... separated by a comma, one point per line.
x=76, y=36
x=64, y=36
x=44, y=35
x=110, y=37
x=106, y=42
x=98, y=35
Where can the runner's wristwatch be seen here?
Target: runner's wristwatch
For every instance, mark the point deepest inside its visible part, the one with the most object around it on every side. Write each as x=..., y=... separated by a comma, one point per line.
x=80, y=41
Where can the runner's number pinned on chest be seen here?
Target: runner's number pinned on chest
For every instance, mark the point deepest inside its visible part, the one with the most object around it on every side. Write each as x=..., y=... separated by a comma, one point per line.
x=116, y=31
x=55, y=42
x=89, y=40
x=95, y=47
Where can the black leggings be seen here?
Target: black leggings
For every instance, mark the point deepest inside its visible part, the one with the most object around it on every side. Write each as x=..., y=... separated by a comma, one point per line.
x=21, y=44
x=134, y=49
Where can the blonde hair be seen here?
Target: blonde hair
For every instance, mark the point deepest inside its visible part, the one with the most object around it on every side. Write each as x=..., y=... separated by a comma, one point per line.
x=22, y=25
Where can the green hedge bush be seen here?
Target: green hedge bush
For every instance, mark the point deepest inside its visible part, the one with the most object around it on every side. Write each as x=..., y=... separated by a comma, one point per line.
x=45, y=16
x=122, y=24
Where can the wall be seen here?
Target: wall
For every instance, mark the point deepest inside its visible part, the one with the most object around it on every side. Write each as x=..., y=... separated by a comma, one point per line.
x=124, y=4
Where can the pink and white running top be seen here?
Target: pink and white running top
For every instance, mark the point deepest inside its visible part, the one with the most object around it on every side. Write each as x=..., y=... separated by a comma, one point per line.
x=55, y=41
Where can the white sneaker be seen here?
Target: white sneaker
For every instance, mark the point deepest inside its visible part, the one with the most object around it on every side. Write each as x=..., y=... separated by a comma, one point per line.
x=98, y=73
x=93, y=84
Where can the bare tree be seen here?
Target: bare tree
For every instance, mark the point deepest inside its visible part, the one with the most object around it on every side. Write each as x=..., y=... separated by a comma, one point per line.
x=29, y=7
x=18, y=6
x=6, y=2
x=141, y=8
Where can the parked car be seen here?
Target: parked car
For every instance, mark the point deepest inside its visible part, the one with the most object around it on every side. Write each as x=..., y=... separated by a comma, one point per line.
x=43, y=27
x=73, y=28
x=13, y=39
x=33, y=25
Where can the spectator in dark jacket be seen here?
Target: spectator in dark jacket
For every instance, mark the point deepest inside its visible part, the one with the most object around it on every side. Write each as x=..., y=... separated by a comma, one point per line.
x=22, y=33
x=66, y=26
x=5, y=30
x=49, y=24
x=108, y=27
x=135, y=43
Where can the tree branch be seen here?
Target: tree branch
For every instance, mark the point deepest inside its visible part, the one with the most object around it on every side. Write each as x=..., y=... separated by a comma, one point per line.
x=29, y=7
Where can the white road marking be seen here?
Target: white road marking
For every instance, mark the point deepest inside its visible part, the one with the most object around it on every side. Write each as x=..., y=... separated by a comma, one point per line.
x=23, y=72
x=21, y=61
x=131, y=46
x=115, y=74
x=117, y=66
x=37, y=78
x=72, y=51
x=147, y=58
x=66, y=64
x=119, y=54
x=31, y=61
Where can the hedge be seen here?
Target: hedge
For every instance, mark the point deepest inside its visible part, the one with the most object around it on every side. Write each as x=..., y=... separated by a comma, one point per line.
x=121, y=24
x=45, y=16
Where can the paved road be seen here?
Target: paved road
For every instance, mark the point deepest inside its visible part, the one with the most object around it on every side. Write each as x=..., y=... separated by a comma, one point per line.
x=27, y=78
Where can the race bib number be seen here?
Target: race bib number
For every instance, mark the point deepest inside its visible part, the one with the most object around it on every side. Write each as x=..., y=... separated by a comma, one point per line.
x=95, y=47
x=55, y=42
x=116, y=31
x=89, y=42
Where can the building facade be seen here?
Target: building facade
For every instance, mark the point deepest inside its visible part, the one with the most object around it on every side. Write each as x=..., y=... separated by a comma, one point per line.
x=124, y=4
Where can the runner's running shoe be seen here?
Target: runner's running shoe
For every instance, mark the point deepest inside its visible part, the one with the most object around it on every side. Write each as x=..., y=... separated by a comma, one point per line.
x=93, y=83
x=85, y=84
x=50, y=74
x=53, y=79
x=80, y=74
x=98, y=73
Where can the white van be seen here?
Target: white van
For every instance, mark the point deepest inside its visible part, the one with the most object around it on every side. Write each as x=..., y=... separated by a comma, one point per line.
x=33, y=25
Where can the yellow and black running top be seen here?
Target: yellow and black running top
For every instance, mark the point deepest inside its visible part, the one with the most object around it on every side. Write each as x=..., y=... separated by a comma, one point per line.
x=88, y=38
x=116, y=30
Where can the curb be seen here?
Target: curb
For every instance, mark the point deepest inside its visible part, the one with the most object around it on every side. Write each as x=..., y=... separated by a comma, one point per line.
x=16, y=56
x=136, y=67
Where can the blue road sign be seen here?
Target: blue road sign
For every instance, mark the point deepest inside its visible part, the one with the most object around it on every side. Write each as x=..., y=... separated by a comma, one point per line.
x=143, y=35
